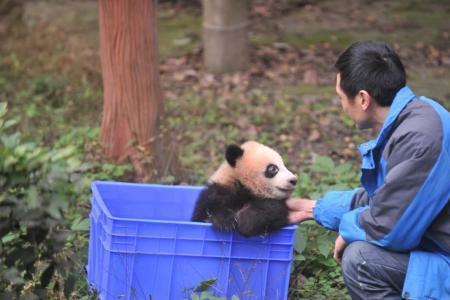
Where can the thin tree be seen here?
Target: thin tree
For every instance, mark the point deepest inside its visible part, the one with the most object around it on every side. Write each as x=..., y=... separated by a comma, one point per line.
x=225, y=35
x=133, y=102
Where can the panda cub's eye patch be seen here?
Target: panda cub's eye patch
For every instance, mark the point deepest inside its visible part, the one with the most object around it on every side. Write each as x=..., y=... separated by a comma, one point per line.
x=271, y=171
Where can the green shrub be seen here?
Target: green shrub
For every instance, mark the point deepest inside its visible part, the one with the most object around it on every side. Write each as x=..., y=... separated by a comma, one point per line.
x=43, y=228
x=315, y=274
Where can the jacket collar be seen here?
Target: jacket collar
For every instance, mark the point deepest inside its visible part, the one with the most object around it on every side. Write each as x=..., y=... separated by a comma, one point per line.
x=402, y=98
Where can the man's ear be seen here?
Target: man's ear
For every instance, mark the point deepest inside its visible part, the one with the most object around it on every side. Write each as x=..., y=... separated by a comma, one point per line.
x=365, y=99
x=233, y=153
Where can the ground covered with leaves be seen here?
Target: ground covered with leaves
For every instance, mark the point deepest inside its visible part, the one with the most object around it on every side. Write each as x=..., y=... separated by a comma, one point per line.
x=51, y=81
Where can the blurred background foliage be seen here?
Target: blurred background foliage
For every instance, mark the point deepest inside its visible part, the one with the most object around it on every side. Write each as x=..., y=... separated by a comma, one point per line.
x=51, y=102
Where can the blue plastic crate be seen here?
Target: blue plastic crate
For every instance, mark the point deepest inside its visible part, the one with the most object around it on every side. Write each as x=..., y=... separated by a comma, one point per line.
x=143, y=246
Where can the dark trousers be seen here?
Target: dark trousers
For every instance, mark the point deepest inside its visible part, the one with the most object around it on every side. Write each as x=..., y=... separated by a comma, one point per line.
x=373, y=273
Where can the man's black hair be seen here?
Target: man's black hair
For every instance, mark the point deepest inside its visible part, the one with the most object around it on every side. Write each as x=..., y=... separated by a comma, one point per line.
x=373, y=67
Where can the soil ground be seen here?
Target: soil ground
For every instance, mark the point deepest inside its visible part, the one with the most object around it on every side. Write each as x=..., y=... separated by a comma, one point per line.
x=286, y=98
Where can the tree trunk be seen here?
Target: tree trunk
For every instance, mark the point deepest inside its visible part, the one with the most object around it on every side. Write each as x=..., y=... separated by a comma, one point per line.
x=225, y=35
x=133, y=103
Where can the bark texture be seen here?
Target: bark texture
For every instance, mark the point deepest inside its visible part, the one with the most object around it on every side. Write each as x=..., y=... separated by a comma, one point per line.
x=133, y=103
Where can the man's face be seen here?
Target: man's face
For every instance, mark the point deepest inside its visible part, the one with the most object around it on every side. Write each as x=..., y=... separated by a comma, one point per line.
x=353, y=107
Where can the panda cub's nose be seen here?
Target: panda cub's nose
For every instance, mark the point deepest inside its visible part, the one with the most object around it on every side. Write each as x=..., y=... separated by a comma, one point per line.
x=293, y=181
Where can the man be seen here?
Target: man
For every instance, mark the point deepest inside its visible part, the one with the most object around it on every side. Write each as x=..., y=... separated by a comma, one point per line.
x=394, y=232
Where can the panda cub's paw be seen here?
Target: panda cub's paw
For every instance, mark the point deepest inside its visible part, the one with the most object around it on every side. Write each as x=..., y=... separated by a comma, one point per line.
x=225, y=221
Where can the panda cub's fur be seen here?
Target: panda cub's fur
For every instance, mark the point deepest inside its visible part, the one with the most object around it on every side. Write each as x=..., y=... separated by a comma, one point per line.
x=248, y=192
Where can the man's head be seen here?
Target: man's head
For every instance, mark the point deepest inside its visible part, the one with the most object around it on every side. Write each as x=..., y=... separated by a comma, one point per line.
x=369, y=75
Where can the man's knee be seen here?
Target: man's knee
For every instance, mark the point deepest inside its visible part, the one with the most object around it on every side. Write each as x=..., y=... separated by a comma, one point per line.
x=354, y=256
x=371, y=272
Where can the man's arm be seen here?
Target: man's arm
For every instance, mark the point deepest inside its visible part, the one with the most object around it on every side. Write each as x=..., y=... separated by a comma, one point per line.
x=414, y=191
x=300, y=209
x=327, y=211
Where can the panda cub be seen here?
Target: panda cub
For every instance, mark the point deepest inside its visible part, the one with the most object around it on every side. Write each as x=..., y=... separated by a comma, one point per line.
x=248, y=192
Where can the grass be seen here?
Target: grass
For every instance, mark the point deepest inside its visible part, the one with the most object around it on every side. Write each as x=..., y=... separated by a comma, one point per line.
x=432, y=82
x=337, y=39
x=179, y=33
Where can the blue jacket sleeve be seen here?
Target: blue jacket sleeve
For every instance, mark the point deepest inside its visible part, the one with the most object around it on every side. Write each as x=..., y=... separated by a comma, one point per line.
x=350, y=228
x=329, y=209
x=414, y=191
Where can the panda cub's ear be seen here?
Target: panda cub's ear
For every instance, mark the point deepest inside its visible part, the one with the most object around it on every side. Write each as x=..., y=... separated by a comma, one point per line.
x=233, y=153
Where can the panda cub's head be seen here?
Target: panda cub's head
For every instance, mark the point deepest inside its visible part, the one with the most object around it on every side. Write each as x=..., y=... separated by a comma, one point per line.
x=259, y=168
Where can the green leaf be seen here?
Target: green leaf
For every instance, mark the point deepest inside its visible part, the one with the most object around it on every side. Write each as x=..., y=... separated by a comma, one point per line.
x=207, y=295
x=310, y=223
x=330, y=262
x=323, y=245
x=3, y=109
x=299, y=257
x=300, y=239
x=341, y=169
x=73, y=164
x=13, y=276
x=234, y=297
x=338, y=187
x=323, y=164
x=21, y=150
x=54, y=210
x=10, y=123
x=205, y=284
x=194, y=297
x=10, y=236
x=33, y=197
x=63, y=153
x=11, y=141
x=80, y=225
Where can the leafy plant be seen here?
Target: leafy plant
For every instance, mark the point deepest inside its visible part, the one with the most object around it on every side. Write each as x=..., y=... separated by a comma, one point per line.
x=315, y=274
x=206, y=295
x=43, y=231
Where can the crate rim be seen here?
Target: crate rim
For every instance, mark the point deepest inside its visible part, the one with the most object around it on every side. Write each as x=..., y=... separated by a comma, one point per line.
x=105, y=209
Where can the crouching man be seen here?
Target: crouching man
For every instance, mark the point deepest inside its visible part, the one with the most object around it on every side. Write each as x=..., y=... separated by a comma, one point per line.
x=394, y=231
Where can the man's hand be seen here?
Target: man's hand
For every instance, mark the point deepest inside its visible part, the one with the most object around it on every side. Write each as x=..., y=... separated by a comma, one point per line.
x=300, y=209
x=339, y=247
